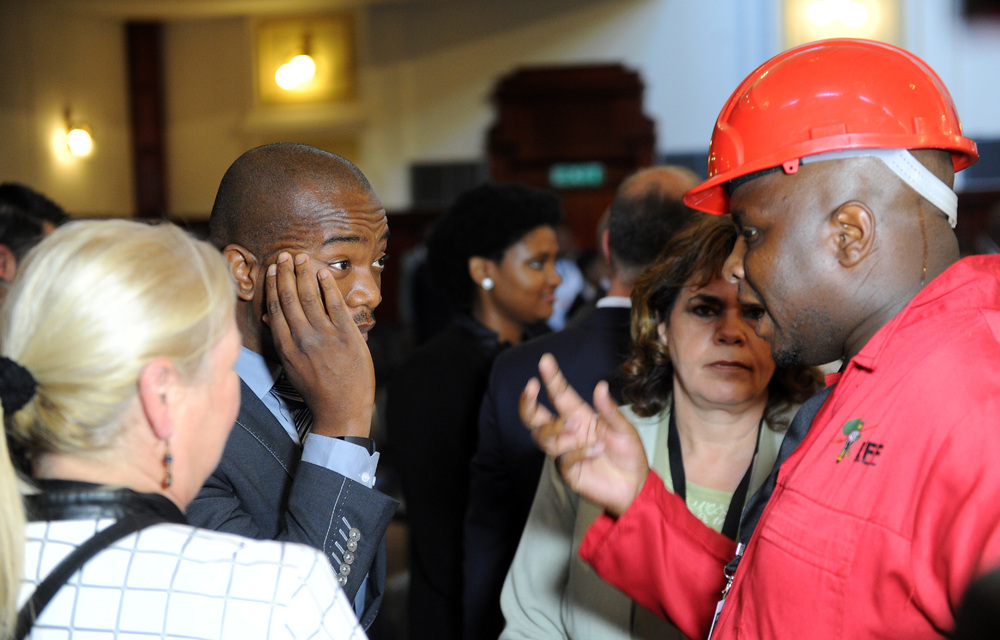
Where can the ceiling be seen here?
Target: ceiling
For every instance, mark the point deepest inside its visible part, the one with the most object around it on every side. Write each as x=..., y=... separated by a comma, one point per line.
x=185, y=9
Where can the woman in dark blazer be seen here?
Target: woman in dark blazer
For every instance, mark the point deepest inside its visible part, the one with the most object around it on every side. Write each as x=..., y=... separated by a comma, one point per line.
x=493, y=256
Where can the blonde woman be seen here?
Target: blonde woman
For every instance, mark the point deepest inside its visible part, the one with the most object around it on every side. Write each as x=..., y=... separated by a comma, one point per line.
x=117, y=387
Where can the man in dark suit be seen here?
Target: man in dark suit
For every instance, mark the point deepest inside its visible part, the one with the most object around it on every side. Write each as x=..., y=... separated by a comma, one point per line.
x=305, y=238
x=646, y=211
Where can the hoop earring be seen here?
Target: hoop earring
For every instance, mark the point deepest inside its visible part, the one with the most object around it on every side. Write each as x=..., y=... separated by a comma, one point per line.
x=168, y=462
x=487, y=284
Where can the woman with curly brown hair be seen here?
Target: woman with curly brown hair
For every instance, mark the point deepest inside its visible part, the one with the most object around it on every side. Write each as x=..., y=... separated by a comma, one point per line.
x=711, y=410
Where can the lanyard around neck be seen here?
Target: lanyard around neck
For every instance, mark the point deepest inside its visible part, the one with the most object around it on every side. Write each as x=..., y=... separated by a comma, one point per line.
x=731, y=525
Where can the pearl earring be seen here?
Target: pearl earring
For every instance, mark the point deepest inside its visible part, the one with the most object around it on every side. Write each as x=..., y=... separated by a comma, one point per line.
x=487, y=284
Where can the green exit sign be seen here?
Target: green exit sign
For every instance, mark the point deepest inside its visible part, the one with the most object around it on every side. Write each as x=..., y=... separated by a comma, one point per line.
x=579, y=175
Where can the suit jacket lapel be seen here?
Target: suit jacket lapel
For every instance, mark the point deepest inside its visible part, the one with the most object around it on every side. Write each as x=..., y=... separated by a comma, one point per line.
x=258, y=421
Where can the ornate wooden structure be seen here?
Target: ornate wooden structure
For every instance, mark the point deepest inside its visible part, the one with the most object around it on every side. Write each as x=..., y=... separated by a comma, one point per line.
x=578, y=130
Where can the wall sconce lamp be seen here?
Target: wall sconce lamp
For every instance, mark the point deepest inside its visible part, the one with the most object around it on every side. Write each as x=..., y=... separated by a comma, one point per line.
x=78, y=138
x=298, y=71
x=305, y=60
x=808, y=20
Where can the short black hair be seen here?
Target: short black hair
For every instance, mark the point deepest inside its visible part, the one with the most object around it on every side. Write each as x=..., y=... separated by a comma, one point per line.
x=32, y=203
x=639, y=225
x=484, y=221
x=257, y=193
x=19, y=231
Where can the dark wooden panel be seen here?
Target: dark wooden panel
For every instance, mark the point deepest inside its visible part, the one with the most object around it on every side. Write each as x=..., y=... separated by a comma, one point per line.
x=571, y=114
x=145, y=88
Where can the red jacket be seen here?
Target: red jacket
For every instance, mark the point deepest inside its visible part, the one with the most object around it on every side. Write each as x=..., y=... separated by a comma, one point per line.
x=878, y=539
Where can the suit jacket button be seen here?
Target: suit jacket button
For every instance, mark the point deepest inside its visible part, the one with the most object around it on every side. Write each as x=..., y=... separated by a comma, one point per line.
x=345, y=569
x=352, y=545
x=354, y=534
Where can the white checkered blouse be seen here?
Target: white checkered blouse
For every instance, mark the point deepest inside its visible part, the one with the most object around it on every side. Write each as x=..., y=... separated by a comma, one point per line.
x=176, y=581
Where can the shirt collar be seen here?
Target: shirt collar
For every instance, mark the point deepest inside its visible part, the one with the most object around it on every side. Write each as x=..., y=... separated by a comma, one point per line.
x=256, y=372
x=486, y=338
x=969, y=283
x=621, y=302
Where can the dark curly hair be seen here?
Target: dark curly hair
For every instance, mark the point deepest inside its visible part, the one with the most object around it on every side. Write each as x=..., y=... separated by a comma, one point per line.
x=484, y=221
x=692, y=258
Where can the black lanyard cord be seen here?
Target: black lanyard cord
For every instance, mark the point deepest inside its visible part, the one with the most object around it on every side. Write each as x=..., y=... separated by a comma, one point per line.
x=731, y=525
x=755, y=506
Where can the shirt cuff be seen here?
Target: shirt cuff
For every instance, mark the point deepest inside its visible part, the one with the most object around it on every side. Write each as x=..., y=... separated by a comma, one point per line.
x=347, y=459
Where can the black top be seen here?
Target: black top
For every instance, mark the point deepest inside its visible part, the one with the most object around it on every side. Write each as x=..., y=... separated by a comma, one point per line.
x=432, y=416
x=74, y=500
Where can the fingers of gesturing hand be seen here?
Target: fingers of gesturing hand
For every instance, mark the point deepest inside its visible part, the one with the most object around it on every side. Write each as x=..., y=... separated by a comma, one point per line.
x=533, y=414
x=598, y=452
x=563, y=396
x=590, y=473
x=552, y=433
x=610, y=416
x=539, y=420
x=574, y=424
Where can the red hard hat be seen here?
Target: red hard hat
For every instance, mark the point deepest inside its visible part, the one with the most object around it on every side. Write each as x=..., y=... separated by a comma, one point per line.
x=826, y=96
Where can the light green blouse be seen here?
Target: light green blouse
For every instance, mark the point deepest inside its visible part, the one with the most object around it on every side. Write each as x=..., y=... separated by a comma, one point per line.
x=707, y=504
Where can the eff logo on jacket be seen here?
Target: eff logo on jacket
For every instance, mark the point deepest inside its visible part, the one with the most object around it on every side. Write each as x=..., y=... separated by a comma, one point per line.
x=865, y=452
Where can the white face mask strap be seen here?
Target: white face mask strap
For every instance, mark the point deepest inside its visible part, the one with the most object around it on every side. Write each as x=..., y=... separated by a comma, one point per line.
x=909, y=170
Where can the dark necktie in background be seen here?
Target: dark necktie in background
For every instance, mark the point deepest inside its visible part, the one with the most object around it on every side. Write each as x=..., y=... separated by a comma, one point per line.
x=301, y=415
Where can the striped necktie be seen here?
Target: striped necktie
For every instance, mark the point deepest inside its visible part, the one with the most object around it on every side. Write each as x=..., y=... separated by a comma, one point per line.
x=301, y=415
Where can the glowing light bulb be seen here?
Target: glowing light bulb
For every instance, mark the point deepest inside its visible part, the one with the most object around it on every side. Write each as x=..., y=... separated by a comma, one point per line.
x=854, y=15
x=295, y=73
x=851, y=13
x=79, y=142
x=820, y=13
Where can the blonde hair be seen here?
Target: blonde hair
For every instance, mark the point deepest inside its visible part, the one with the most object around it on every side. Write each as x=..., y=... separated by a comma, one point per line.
x=92, y=305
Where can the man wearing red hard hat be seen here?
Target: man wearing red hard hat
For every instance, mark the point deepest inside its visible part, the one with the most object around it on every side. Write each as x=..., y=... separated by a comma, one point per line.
x=836, y=160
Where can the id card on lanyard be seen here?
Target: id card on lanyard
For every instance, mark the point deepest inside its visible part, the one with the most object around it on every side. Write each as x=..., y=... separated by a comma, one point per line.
x=730, y=574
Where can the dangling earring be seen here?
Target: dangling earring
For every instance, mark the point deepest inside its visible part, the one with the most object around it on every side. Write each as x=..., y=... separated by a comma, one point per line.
x=487, y=284
x=168, y=462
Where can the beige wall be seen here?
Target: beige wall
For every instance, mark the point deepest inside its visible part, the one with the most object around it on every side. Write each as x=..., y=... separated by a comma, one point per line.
x=207, y=84
x=425, y=75
x=52, y=60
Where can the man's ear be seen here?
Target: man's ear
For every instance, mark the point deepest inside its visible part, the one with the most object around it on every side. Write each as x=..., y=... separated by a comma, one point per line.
x=157, y=389
x=244, y=268
x=852, y=227
x=480, y=268
x=606, y=246
x=8, y=264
